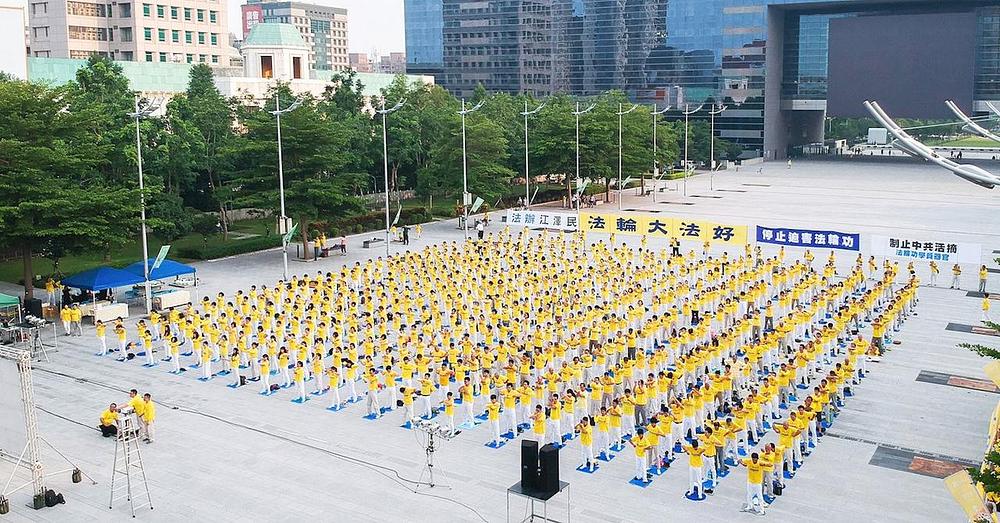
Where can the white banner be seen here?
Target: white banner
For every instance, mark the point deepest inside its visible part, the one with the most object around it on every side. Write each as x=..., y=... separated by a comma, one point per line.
x=13, y=429
x=917, y=249
x=541, y=219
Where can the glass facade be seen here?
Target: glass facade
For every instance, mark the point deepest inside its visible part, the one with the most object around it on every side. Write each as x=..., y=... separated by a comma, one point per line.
x=667, y=51
x=424, y=26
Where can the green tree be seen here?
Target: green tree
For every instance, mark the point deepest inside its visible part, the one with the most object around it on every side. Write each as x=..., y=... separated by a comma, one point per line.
x=315, y=155
x=101, y=92
x=52, y=188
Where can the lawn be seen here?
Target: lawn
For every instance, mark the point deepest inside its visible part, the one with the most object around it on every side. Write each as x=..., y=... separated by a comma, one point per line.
x=11, y=271
x=969, y=141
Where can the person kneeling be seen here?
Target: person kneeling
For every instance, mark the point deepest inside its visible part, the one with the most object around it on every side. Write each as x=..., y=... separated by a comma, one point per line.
x=108, y=424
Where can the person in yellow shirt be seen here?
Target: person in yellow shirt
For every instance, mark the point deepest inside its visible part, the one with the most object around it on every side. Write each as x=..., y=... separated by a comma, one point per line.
x=986, y=308
x=983, y=274
x=493, y=417
x=67, y=317
x=100, y=329
x=586, y=431
x=299, y=378
x=755, y=479
x=935, y=270
x=148, y=417
x=696, y=489
x=956, y=275
x=109, y=421
x=466, y=393
x=639, y=444
x=333, y=382
x=265, y=374
x=373, y=385
x=426, y=389
x=76, y=317
x=538, y=424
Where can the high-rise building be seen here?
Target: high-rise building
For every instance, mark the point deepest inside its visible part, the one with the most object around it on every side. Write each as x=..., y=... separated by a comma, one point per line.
x=774, y=63
x=360, y=63
x=392, y=63
x=190, y=31
x=323, y=28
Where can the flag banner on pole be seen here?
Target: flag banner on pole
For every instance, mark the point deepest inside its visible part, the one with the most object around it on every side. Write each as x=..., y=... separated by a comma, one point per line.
x=582, y=187
x=162, y=255
x=290, y=234
x=398, y=212
x=626, y=181
x=533, y=195
x=475, y=205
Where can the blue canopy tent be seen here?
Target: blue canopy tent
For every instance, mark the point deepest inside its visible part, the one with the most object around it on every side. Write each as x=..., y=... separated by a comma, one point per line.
x=167, y=269
x=101, y=278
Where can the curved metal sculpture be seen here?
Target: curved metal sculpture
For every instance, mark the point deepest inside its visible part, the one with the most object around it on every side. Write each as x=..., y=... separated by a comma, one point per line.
x=971, y=125
x=906, y=143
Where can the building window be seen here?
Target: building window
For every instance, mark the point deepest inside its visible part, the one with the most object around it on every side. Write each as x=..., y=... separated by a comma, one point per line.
x=163, y=57
x=83, y=32
x=173, y=12
x=125, y=10
x=201, y=38
x=147, y=33
x=147, y=10
x=201, y=15
x=213, y=16
x=159, y=11
x=125, y=34
x=296, y=67
x=41, y=32
x=202, y=58
x=161, y=35
x=188, y=37
x=215, y=39
x=266, y=70
x=189, y=58
x=86, y=9
x=175, y=36
x=149, y=56
x=39, y=8
x=187, y=14
x=215, y=58
x=127, y=56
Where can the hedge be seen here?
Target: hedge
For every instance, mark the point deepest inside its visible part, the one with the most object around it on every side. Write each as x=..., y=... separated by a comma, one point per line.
x=373, y=221
x=222, y=249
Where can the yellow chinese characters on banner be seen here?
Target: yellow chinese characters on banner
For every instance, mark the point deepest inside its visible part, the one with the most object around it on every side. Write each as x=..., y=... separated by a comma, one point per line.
x=654, y=226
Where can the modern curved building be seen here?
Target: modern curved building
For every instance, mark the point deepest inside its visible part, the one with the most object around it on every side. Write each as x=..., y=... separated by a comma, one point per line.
x=782, y=66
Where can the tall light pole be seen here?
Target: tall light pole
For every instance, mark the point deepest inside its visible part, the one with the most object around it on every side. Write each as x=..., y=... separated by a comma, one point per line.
x=687, y=113
x=620, y=148
x=465, y=169
x=577, y=114
x=716, y=109
x=385, y=167
x=277, y=112
x=139, y=114
x=656, y=171
x=525, y=114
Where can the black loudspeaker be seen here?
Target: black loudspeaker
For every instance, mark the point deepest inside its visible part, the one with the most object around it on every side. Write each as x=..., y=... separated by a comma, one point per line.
x=529, y=464
x=34, y=307
x=548, y=469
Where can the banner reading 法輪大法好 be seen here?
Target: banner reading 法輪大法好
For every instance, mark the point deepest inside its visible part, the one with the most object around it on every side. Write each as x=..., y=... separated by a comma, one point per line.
x=809, y=238
x=915, y=248
x=658, y=226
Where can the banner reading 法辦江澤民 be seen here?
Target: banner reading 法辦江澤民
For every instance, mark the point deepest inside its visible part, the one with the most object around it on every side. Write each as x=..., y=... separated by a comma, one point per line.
x=541, y=219
x=916, y=248
x=809, y=238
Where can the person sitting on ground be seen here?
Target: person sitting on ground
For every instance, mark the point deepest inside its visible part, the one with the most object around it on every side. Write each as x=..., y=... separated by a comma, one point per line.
x=109, y=418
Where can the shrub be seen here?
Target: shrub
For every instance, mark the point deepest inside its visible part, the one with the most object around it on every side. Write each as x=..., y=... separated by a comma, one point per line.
x=223, y=249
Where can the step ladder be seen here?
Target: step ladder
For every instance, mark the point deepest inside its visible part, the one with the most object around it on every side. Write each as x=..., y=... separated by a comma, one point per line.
x=128, y=479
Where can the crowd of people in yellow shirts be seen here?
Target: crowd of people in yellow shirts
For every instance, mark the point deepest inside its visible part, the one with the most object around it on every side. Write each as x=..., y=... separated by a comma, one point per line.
x=565, y=340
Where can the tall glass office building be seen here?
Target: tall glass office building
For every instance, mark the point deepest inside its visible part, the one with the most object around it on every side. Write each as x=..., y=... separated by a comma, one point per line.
x=769, y=61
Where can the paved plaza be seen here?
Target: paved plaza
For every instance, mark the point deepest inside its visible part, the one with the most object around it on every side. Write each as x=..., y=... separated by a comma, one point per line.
x=227, y=454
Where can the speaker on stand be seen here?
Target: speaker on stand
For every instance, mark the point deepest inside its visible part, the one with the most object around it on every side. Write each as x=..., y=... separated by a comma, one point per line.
x=548, y=469
x=529, y=464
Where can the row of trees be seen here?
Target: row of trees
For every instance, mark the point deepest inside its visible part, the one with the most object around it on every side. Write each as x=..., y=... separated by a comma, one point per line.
x=68, y=156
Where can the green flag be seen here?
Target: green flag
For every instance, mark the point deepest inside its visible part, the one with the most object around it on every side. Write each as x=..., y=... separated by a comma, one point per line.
x=291, y=232
x=160, y=257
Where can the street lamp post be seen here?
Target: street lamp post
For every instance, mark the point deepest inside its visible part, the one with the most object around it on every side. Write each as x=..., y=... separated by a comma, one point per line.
x=687, y=114
x=716, y=109
x=138, y=114
x=577, y=114
x=465, y=169
x=620, y=148
x=656, y=172
x=277, y=112
x=525, y=114
x=385, y=168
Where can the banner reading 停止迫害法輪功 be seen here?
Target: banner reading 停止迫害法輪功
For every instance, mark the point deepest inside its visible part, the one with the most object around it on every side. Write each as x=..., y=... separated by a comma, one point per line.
x=809, y=238
x=914, y=248
x=541, y=219
x=654, y=226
